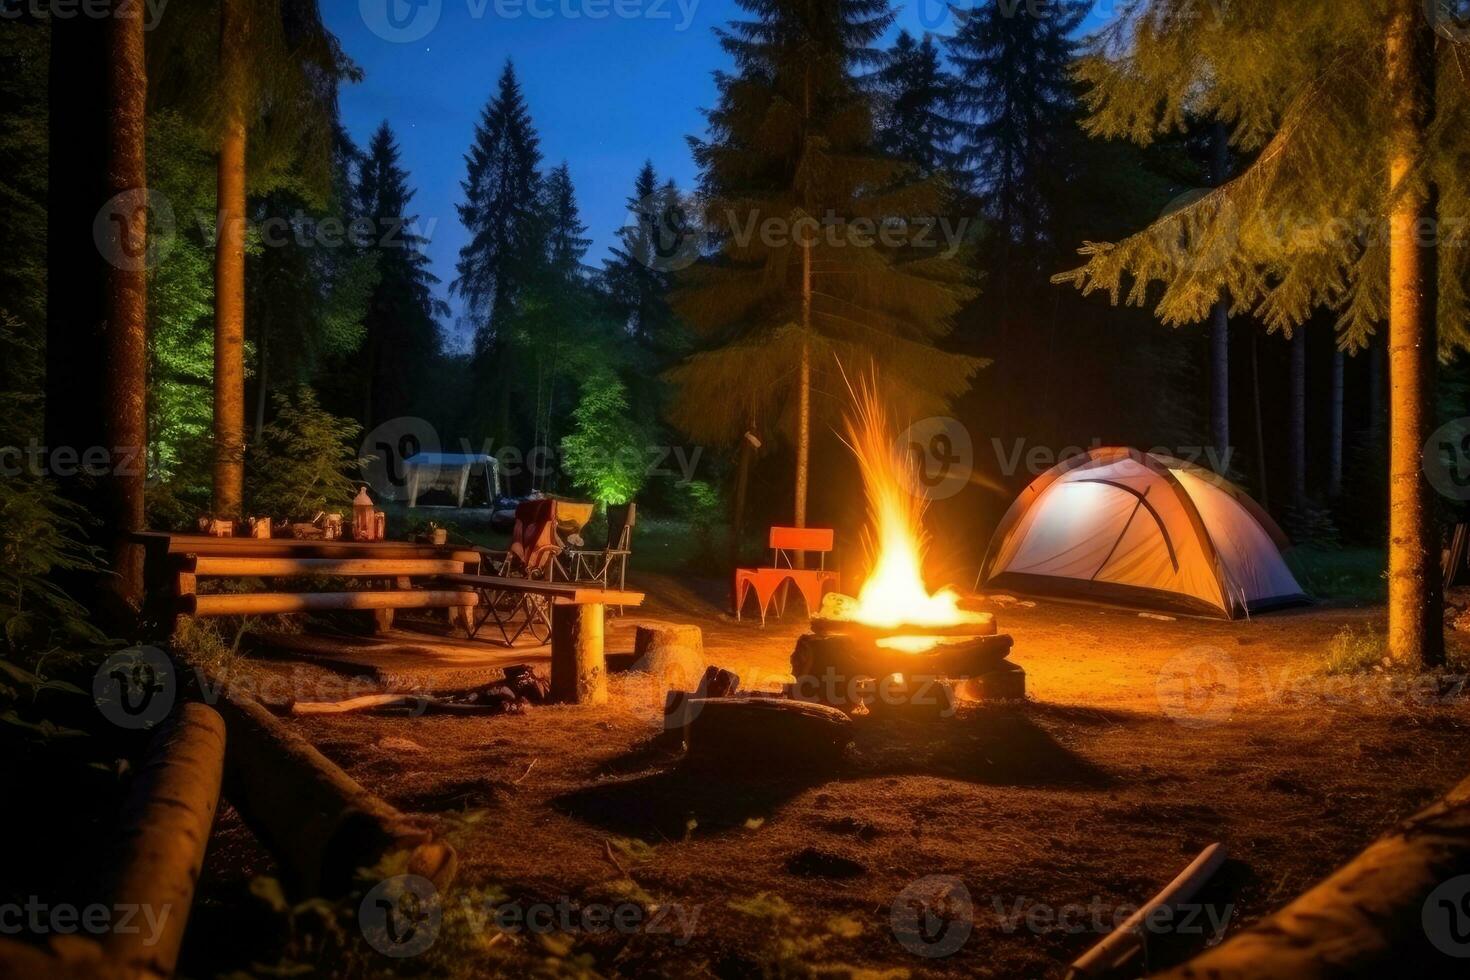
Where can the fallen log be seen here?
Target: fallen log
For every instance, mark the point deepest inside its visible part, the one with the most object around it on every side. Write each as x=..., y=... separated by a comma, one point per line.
x=1397, y=909
x=761, y=734
x=165, y=828
x=320, y=823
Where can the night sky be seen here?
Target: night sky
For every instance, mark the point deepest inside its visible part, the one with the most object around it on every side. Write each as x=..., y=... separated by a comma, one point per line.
x=606, y=92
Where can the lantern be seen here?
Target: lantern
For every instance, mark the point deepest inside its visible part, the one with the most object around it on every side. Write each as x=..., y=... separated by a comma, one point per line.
x=363, y=522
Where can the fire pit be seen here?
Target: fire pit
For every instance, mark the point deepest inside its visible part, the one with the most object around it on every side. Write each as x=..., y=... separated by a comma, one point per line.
x=895, y=639
x=858, y=667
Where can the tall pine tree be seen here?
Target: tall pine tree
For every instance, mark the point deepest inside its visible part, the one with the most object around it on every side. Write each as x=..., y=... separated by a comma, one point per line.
x=401, y=340
x=800, y=284
x=1015, y=93
x=500, y=210
x=635, y=277
x=914, y=93
x=1359, y=115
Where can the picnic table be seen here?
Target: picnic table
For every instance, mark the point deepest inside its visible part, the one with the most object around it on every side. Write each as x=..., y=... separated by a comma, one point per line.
x=578, y=615
x=176, y=562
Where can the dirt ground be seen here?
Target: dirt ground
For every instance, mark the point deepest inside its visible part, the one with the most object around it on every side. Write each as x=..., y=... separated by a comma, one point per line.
x=1141, y=742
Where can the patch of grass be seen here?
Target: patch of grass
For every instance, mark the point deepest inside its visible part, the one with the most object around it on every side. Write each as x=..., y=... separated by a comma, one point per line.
x=1339, y=574
x=1356, y=651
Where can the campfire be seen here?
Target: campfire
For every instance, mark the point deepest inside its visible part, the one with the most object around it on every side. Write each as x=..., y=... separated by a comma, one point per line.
x=895, y=599
x=895, y=630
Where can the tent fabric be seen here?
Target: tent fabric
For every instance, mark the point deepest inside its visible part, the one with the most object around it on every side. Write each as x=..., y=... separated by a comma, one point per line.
x=1118, y=525
x=450, y=472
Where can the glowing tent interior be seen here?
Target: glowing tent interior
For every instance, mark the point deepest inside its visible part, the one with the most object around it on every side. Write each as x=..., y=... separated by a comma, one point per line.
x=1122, y=526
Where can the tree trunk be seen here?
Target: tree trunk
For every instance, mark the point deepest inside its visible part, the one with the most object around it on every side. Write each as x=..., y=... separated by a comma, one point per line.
x=1220, y=328
x=742, y=486
x=1334, y=449
x=1415, y=626
x=126, y=387
x=262, y=379
x=229, y=270
x=1263, y=489
x=1298, y=417
x=76, y=341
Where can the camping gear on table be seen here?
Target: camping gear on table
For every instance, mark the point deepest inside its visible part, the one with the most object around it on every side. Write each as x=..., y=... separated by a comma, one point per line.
x=1122, y=526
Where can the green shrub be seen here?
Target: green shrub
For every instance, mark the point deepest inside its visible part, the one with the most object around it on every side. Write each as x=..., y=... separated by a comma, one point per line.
x=304, y=462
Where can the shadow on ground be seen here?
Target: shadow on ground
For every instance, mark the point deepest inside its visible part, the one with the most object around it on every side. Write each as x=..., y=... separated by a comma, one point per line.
x=994, y=746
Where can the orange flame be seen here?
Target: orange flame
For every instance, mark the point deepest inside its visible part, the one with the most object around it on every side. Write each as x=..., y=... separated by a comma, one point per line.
x=894, y=593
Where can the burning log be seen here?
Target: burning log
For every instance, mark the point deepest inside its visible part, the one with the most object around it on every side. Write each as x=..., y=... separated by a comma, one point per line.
x=981, y=624
x=858, y=655
x=321, y=825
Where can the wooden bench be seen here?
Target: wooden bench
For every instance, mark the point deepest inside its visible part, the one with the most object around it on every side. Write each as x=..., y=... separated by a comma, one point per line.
x=176, y=562
x=578, y=616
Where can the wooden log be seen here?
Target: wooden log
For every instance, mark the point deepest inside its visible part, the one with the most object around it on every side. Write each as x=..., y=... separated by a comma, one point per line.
x=848, y=656
x=227, y=567
x=165, y=827
x=382, y=620
x=761, y=734
x=1387, y=912
x=70, y=957
x=268, y=603
x=578, y=666
x=366, y=702
x=320, y=824
x=1122, y=950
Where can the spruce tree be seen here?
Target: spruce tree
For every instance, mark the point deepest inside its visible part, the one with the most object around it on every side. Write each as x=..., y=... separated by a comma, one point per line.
x=500, y=211
x=1014, y=104
x=914, y=93
x=635, y=277
x=800, y=285
x=566, y=235
x=401, y=340
x=1356, y=202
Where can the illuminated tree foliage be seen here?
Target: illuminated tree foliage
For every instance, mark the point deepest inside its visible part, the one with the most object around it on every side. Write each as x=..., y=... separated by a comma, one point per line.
x=794, y=191
x=605, y=454
x=1356, y=202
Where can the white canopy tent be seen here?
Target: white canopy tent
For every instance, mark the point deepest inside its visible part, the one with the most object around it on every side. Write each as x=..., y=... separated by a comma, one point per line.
x=1119, y=525
x=450, y=472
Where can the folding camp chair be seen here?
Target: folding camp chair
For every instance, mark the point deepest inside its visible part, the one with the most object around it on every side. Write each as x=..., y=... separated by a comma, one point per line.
x=532, y=554
x=593, y=565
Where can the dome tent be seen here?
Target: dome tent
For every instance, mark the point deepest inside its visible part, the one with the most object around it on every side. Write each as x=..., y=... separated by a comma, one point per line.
x=1119, y=525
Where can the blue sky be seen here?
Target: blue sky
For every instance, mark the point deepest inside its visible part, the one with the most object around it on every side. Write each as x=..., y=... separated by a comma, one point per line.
x=609, y=83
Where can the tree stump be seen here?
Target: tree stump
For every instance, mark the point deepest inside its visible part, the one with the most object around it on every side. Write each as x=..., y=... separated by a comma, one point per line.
x=578, y=666
x=671, y=652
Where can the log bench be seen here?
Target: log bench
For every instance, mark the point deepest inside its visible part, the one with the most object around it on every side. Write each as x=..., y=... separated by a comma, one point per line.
x=176, y=562
x=578, y=615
